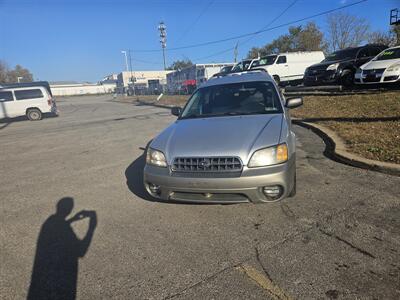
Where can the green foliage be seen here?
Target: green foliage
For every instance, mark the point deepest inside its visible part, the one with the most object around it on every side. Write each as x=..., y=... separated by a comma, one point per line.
x=180, y=64
x=299, y=38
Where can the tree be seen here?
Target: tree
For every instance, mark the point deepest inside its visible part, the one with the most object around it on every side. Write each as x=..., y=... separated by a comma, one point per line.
x=3, y=72
x=180, y=64
x=345, y=30
x=299, y=38
x=11, y=76
x=384, y=38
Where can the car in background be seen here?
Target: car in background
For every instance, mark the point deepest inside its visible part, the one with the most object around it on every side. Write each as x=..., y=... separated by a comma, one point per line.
x=243, y=65
x=384, y=68
x=24, y=100
x=224, y=70
x=340, y=66
x=233, y=142
x=288, y=67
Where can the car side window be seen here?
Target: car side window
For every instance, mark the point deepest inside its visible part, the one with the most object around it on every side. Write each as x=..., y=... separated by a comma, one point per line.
x=28, y=94
x=281, y=60
x=6, y=96
x=363, y=53
x=374, y=51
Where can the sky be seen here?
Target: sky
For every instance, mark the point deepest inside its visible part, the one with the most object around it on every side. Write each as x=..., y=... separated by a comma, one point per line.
x=81, y=40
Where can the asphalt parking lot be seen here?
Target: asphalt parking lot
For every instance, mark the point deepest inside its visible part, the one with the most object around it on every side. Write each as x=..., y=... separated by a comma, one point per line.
x=338, y=238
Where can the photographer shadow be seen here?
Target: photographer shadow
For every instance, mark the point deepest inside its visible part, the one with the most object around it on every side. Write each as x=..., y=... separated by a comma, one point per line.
x=55, y=269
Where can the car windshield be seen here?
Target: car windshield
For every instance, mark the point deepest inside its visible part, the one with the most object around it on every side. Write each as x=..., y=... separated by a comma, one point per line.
x=242, y=66
x=233, y=99
x=341, y=55
x=265, y=61
x=389, y=54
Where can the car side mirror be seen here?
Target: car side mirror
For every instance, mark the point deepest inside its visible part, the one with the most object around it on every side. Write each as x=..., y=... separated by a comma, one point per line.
x=176, y=110
x=294, y=102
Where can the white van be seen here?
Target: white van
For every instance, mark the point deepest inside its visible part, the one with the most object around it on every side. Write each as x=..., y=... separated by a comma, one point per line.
x=33, y=102
x=287, y=67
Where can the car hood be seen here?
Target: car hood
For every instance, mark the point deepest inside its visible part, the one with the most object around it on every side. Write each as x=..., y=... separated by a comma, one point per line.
x=380, y=64
x=219, y=136
x=324, y=65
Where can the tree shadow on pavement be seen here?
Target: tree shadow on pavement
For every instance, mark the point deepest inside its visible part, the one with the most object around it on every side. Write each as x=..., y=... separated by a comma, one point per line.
x=55, y=268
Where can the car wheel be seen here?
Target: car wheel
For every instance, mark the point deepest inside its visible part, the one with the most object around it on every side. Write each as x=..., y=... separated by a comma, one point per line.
x=34, y=114
x=347, y=78
x=293, y=191
x=277, y=79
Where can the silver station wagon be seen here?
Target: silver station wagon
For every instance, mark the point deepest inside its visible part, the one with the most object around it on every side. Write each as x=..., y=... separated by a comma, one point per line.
x=231, y=143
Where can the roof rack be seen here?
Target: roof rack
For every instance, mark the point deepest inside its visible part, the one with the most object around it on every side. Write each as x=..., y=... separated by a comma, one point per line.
x=218, y=75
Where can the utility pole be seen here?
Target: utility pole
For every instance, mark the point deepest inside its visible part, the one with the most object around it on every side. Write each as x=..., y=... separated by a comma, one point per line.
x=133, y=79
x=235, y=52
x=163, y=39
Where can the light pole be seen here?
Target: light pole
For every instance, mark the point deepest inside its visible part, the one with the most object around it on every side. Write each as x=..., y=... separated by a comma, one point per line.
x=126, y=63
x=19, y=79
x=163, y=39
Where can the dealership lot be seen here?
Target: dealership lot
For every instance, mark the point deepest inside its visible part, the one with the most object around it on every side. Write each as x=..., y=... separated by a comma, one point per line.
x=339, y=237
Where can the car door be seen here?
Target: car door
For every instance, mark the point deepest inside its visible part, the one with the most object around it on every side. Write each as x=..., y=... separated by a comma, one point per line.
x=7, y=104
x=282, y=67
x=363, y=56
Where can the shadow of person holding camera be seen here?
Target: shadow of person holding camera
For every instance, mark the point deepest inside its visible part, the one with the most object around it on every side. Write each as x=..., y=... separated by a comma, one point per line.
x=55, y=269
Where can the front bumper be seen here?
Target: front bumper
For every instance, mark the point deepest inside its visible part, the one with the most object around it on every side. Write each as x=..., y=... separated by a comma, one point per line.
x=246, y=188
x=379, y=77
x=322, y=77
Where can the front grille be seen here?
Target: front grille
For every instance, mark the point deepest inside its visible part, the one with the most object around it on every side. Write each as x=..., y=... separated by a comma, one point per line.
x=373, y=71
x=206, y=164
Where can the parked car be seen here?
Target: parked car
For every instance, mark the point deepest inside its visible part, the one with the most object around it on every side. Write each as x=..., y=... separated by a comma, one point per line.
x=288, y=67
x=243, y=65
x=233, y=142
x=384, y=68
x=32, y=101
x=224, y=70
x=340, y=66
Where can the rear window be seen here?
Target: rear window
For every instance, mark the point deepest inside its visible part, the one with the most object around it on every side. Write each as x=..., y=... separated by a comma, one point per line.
x=28, y=94
x=6, y=96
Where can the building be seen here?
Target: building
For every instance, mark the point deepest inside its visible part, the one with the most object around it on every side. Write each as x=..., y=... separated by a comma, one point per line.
x=186, y=80
x=144, y=80
x=73, y=88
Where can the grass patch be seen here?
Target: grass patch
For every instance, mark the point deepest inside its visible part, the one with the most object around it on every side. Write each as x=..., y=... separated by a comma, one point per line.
x=369, y=124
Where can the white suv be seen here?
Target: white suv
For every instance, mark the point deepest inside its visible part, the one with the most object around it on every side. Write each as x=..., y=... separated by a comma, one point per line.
x=33, y=101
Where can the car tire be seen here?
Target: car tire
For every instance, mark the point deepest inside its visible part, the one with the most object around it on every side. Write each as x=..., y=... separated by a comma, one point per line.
x=293, y=191
x=277, y=79
x=34, y=114
x=347, y=78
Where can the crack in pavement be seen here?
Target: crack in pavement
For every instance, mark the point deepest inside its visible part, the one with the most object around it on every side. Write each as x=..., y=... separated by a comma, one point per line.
x=362, y=251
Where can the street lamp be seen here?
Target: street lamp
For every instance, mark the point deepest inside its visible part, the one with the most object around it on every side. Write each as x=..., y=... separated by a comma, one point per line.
x=19, y=79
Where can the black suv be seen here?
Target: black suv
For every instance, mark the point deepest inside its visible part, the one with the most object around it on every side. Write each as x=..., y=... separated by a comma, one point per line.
x=340, y=66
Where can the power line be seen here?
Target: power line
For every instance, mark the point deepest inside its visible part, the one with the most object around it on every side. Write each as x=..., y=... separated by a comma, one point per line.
x=272, y=21
x=258, y=31
x=250, y=38
x=196, y=20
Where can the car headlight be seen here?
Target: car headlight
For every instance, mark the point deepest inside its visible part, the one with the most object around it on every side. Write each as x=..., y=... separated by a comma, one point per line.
x=358, y=71
x=393, y=68
x=333, y=67
x=269, y=156
x=155, y=158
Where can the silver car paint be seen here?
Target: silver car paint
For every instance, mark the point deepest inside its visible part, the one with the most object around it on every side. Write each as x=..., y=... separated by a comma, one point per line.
x=226, y=136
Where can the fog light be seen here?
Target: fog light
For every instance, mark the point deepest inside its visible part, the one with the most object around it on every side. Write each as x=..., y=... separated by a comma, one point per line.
x=273, y=192
x=155, y=189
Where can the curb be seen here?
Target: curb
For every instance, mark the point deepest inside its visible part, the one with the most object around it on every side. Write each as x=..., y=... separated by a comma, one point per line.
x=154, y=104
x=336, y=149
